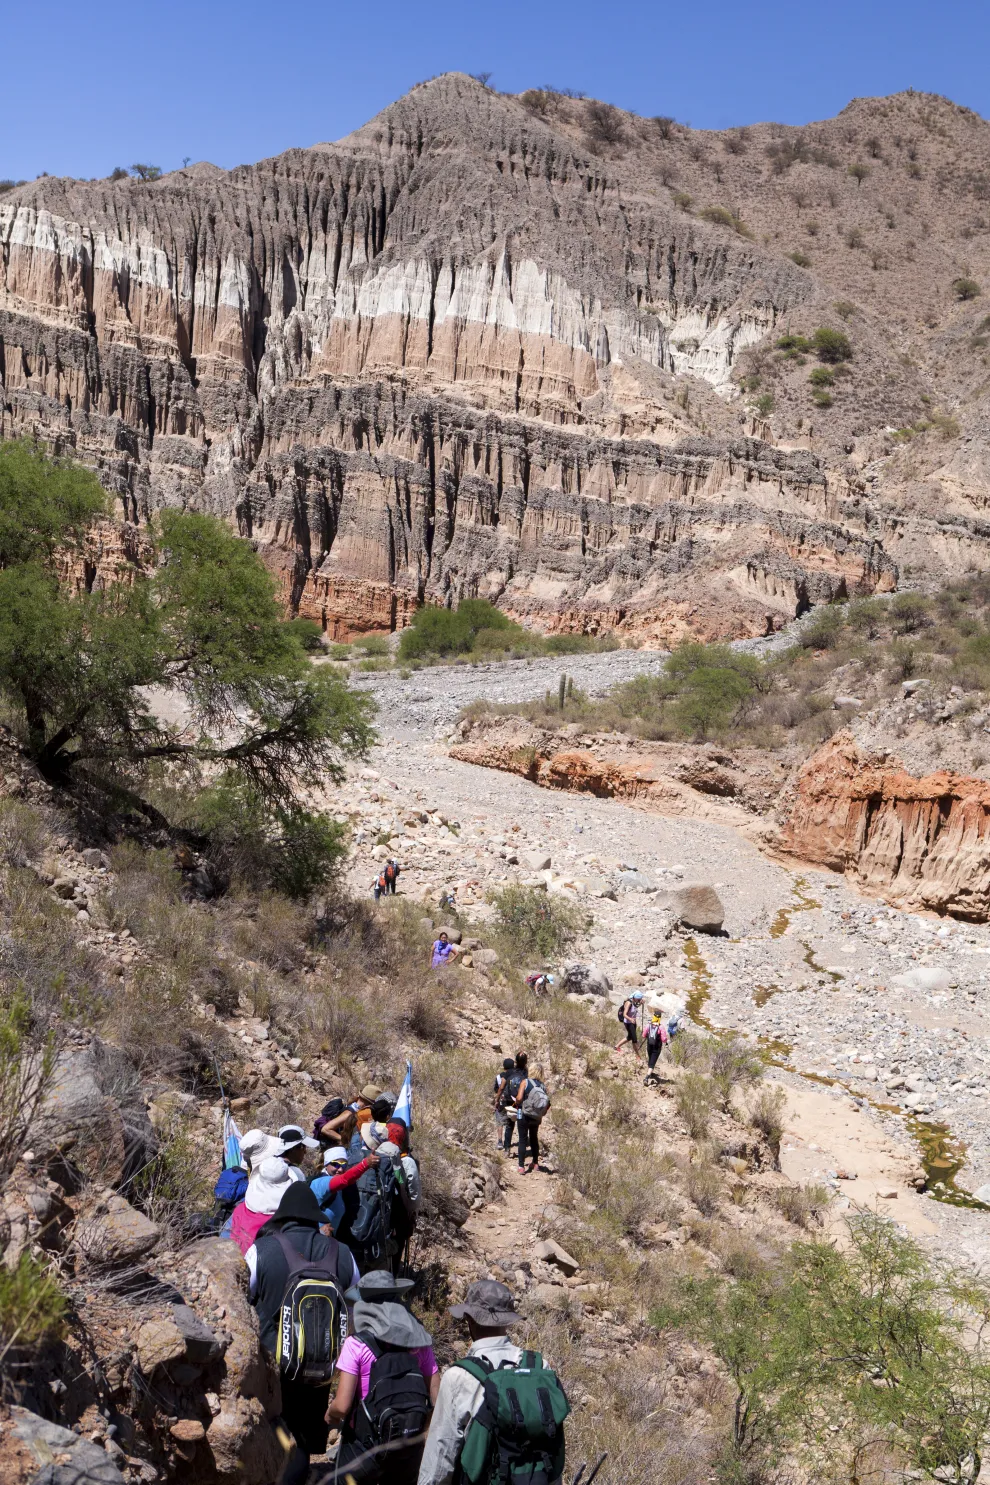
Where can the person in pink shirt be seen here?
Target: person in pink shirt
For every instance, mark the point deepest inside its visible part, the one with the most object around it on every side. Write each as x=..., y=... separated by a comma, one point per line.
x=381, y=1321
x=265, y=1190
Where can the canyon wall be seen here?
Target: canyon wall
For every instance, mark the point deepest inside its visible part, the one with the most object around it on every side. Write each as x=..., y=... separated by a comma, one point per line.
x=918, y=842
x=436, y=359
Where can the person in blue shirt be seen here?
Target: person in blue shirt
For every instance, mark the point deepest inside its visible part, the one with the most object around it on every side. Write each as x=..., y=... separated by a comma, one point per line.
x=329, y=1187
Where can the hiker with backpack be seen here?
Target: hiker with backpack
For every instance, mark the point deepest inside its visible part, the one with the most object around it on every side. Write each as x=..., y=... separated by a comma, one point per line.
x=334, y=1124
x=329, y=1187
x=268, y=1183
x=387, y=1383
x=502, y=1100
x=533, y=1102
x=656, y=1039
x=231, y=1187
x=298, y=1281
x=392, y=869
x=500, y=1411
x=371, y=1226
x=628, y=1015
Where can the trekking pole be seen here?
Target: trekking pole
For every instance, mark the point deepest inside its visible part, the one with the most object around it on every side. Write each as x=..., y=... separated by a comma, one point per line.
x=579, y=1477
x=216, y=1069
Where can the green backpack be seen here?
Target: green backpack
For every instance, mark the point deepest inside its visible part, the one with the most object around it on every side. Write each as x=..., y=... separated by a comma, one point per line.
x=517, y=1435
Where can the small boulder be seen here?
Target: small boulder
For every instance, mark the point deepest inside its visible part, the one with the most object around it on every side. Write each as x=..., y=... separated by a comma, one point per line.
x=92, y=857
x=113, y=1233
x=633, y=881
x=553, y=1297
x=698, y=906
x=536, y=860
x=63, y=1457
x=982, y=1193
x=585, y=979
x=485, y=956
x=552, y=1252
x=159, y=1341
x=923, y=978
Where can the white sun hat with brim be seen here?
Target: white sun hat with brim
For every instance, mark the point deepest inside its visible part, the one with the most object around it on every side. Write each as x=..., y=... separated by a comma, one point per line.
x=268, y=1184
x=294, y=1134
x=256, y=1145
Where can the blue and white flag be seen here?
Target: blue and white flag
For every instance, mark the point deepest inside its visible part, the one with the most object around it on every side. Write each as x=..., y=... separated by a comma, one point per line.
x=231, y=1142
x=403, y=1109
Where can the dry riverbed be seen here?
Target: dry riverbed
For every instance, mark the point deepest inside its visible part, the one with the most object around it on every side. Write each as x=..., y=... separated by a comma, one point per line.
x=880, y=1072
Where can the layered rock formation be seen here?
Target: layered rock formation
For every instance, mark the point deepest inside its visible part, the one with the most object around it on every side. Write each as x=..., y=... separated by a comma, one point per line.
x=671, y=778
x=436, y=359
x=920, y=842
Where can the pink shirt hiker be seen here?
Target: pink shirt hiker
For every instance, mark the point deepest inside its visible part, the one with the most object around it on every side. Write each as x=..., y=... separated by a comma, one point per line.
x=357, y=1359
x=245, y=1225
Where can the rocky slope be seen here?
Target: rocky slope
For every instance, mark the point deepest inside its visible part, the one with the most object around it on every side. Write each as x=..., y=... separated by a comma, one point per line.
x=496, y=345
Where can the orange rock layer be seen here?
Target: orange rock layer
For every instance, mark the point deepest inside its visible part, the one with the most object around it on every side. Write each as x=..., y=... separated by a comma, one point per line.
x=920, y=842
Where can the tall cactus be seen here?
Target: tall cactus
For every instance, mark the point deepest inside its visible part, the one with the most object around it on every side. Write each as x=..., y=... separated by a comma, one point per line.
x=562, y=692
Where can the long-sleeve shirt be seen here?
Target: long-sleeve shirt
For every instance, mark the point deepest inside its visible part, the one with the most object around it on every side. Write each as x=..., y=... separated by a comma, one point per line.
x=327, y=1189
x=458, y=1400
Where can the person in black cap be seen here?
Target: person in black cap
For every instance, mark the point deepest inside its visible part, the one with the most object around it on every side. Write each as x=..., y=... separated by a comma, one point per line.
x=298, y=1221
x=489, y=1310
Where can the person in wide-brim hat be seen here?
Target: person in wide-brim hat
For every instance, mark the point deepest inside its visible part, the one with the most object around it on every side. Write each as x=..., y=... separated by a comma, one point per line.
x=379, y=1284
x=489, y=1304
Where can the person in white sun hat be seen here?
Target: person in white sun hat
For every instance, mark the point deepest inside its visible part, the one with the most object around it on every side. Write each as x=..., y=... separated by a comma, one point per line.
x=266, y=1188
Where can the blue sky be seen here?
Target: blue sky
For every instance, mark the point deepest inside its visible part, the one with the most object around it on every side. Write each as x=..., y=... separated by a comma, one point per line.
x=89, y=87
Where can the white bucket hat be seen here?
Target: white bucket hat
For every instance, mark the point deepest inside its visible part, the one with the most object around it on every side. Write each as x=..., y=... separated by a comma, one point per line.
x=256, y=1144
x=267, y=1186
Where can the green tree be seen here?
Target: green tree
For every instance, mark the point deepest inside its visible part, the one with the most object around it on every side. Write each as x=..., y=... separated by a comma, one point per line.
x=444, y=631
x=200, y=623
x=877, y=1335
x=965, y=288
x=830, y=345
x=534, y=923
x=707, y=684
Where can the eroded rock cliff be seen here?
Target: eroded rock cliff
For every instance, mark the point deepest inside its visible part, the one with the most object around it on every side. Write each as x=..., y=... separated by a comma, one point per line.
x=434, y=359
x=920, y=842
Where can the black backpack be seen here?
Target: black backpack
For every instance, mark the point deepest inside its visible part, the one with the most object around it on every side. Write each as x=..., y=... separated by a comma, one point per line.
x=371, y=1228
x=312, y=1318
x=395, y=1414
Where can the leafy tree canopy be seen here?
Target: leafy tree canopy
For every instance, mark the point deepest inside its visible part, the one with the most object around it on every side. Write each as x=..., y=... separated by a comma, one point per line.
x=184, y=661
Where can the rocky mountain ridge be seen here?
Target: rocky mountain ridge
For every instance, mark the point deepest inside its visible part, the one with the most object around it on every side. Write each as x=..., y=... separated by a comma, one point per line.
x=484, y=345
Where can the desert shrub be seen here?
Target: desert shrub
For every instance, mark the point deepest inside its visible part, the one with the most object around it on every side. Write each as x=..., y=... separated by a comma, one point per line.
x=154, y=1020
x=831, y=345
x=445, y=632
x=801, y=259
x=858, y=171
x=731, y=1065
x=41, y=955
x=822, y=376
x=335, y=1023
x=611, y=1177
x=274, y=930
x=425, y=1016
x=793, y=345
x=33, y=1310
x=695, y=1100
x=722, y=216
x=824, y=630
x=764, y=404
x=604, y=123
x=373, y=646
x=767, y=1115
x=27, y=1063
x=307, y=633
x=535, y=924
x=909, y=612
x=965, y=288
x=295, y=852
x=703, y=1182
x=24, y=833
x=175, y=1186
x=866, y=617
x=802, y=1205
x=683, y=200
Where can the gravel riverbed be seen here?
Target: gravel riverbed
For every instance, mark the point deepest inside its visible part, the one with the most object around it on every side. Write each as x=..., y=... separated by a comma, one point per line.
x=807, y=964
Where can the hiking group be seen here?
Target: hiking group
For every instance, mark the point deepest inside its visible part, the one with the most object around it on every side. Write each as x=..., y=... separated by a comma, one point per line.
x=656, y=1033
x=385, y=882
x=521, y=1101
x=324, y=1257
